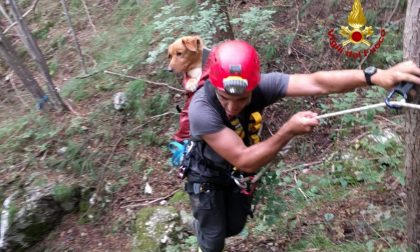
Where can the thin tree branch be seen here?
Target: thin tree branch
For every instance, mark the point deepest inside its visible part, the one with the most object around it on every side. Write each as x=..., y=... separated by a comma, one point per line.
x=289, y=48
x=76, y=40
x=388, y=20
x=153, y=201
x=151, y=119
x=88, y=15
x=147, y=81
x=3, y=11
x=33, y=6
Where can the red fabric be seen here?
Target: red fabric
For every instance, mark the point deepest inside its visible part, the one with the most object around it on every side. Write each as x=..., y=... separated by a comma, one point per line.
x=184, y=123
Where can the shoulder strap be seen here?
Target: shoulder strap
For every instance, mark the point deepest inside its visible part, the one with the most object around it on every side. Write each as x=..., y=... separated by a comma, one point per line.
x=210, y=93
x=205, y=56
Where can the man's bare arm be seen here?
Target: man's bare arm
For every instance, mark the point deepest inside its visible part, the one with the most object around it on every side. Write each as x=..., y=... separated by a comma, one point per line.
x=327, y=82
x=248, y=159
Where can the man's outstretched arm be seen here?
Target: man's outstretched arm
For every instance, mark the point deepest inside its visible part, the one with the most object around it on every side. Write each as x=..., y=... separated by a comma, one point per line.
x=327, y=82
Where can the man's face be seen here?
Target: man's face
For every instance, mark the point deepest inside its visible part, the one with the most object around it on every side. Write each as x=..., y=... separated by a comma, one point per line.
x=233, y=104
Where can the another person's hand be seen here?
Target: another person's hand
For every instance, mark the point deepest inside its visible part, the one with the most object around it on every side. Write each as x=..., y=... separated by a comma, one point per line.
x=302, y=122
x=404, y=71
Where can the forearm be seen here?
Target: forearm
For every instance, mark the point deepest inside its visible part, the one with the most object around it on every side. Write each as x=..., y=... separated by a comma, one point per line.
x=338, y=81
x=258, y=155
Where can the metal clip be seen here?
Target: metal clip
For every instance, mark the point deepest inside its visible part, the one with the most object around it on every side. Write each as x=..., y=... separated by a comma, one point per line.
x=238, y=178
x=402, y=89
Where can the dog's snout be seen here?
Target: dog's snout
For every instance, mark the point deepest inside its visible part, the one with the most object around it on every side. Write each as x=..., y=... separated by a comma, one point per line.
x=169, y=69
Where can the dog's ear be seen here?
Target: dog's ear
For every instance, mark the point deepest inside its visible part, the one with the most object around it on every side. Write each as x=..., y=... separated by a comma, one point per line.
x=193, y=43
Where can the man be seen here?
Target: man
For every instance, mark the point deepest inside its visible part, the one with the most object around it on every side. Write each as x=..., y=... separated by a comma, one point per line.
x=224, y=117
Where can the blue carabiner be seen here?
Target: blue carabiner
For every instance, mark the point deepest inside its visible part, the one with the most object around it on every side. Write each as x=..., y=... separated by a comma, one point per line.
x=177, y=150
x=402, y=89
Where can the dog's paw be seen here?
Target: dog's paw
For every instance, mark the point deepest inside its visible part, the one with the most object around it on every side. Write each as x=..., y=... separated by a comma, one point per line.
x=191, y=85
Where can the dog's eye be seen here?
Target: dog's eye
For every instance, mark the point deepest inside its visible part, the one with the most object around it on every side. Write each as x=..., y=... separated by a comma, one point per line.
x=179, y=54
x=169, y=56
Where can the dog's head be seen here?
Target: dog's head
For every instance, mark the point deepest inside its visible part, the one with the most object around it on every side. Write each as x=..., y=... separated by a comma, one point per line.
x=185, y=54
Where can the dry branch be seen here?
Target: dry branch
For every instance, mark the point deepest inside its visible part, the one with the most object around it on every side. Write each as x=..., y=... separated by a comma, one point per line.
x=147, y=81
x=152, y=201
x=24, y=15
x=88, y=15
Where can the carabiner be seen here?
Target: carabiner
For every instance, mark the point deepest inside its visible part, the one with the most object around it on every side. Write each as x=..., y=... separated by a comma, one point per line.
x=239, y=182
x=402, y=89
x=250, y=187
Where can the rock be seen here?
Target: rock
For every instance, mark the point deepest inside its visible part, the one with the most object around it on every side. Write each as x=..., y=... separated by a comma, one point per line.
x=62, y=150
x=28, y=224
x=120, y=100
x=29, y=214
x=384, y=136
x=155, y=228
x=148, y=189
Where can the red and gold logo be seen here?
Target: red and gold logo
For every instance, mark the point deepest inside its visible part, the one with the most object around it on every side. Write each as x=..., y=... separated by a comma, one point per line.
x=358, y=33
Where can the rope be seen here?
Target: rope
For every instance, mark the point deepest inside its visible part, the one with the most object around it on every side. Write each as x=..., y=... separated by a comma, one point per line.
x=347, y=111
x=378, y=105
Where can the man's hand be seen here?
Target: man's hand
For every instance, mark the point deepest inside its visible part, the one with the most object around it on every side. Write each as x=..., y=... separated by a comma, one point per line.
x=302, y=122
x=404, y=71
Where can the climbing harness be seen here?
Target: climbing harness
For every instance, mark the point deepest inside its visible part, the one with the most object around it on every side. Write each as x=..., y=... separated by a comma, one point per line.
x=245, y=183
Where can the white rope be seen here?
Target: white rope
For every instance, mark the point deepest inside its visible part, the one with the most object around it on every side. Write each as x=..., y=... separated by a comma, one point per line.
x=347, y=111
x=378, y=105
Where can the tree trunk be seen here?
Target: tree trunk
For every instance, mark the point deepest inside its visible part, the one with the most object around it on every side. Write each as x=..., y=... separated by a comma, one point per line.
x=76, y=41
x=37, y=55
x=228, y=34
x=412, y=126
x=222, y=34
x=8, y=53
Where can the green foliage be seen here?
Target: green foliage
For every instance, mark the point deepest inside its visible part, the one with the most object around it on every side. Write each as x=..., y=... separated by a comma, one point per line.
x=391, y=50
x=77, y=89
x=158, y=104
x=150, y=137
x=62, y=193
x=25, y=137
x=42, y=32
x=317, y=240
x=53, y=67
x=254, y=25
x=76, y=158
x=13, y=210
x=135, y=94
x=189, y=244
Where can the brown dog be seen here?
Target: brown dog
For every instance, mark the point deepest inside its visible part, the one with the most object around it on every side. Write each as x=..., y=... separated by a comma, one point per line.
x=185, y=56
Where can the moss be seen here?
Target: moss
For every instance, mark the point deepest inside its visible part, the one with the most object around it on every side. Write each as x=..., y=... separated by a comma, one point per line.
x=179, y=198
x=152, y=225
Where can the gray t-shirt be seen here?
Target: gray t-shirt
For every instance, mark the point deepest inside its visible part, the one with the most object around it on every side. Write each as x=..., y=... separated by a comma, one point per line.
x=204, y=119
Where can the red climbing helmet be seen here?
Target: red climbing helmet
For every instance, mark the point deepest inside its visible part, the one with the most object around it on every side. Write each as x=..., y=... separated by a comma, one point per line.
x=234, y=67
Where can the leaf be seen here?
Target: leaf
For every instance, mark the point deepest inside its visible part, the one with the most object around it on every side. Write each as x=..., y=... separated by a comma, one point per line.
x=370, y=245
x=329, y=217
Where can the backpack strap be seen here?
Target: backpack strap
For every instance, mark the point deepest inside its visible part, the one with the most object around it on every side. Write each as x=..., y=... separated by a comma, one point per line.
x=210, y=93
x=205, y=56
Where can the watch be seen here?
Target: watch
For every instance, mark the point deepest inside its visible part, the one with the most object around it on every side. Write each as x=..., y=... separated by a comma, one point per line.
x=369, y=71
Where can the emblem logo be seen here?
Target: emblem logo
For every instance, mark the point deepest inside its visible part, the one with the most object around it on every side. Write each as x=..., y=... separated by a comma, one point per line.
x=358, y=33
